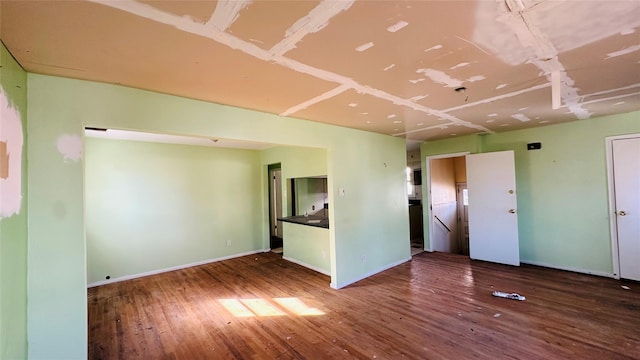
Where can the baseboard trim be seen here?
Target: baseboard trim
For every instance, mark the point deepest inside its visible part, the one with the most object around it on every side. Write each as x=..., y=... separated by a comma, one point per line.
x=566, y=268
x=301, y=263
x=173, y=268
x=371, y=273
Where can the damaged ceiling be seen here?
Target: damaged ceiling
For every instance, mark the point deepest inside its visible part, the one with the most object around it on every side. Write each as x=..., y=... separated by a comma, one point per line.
x=422, y=70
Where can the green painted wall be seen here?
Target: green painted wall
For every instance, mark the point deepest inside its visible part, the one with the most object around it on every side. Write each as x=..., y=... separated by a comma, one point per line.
x=362, y=163
x=13, y=230
x=152, y=206
x=563, y=213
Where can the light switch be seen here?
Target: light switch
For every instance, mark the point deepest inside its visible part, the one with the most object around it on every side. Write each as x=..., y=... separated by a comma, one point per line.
x=341, y=191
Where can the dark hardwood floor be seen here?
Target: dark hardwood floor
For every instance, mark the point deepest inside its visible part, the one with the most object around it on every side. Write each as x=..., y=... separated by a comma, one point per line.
x=438, y=306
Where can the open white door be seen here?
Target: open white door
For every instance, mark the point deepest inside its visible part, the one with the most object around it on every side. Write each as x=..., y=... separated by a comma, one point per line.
x=626, y=170
x=493, y=221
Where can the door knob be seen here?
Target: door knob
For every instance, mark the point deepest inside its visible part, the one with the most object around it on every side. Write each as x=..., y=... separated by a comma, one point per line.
x=512, y=211
x=622, y=213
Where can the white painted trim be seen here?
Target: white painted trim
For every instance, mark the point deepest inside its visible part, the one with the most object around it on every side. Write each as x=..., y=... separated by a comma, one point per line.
x=566, y=268
x=427, y=195
x=301, y=263
x=173, y=268
x=371, y=273
x=613, y=226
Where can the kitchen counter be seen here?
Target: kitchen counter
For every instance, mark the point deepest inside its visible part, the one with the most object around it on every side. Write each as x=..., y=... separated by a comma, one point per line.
x=310, y=220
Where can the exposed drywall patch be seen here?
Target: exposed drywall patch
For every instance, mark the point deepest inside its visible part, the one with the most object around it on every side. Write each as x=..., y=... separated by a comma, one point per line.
x=391, y=116
x=4, y=161
x=364, y=47
x=397, y=26
x=353, y=105
x=463, y=64
x=415, y=81
x=520, y=117
x=501, y=86
x=492, y=115
x=389, y=67
x=436, y=47
x=11, y=136
x=70, y=147
x=226, y=13
x=626, y=51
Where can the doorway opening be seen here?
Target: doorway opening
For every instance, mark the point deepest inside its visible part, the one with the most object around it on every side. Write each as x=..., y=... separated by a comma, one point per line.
x=448, y=226
x=275, y=207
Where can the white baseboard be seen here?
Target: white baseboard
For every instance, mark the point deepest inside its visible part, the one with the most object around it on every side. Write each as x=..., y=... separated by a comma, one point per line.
x=173, y=268
x=314, y=268
x=386, y=267
x=566, y=268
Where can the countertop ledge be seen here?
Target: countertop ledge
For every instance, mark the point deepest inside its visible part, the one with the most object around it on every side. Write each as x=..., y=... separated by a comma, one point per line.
x=311, y=220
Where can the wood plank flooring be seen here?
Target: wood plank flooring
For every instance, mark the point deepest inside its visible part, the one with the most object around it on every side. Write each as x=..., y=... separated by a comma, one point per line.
x=438, y=306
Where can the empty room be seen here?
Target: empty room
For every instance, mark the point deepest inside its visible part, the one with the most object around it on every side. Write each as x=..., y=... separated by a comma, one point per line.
x=319, y=179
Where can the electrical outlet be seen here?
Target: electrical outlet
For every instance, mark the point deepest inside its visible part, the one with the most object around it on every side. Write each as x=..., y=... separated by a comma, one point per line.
x=228, y=242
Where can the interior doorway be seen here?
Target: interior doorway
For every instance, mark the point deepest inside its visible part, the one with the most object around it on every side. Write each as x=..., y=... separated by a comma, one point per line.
x=275, y=207
x=448, y=226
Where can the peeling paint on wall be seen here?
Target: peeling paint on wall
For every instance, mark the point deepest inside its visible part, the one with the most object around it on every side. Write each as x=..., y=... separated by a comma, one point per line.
x=11, y=137
x=70, y=147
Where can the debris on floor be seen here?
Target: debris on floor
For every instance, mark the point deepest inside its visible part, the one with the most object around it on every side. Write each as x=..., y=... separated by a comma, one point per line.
x=512, y=296
x=625, y=287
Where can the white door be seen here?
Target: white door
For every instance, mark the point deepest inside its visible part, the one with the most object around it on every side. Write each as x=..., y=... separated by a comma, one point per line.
x=493, y=220
x=626, y=179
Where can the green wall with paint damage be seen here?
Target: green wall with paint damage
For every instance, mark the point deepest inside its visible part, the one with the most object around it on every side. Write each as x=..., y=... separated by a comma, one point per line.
x=563, y=209
x=13, y=229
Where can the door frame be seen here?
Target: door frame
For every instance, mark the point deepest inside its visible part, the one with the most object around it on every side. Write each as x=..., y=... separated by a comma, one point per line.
x=613, y=225
x=427, y=236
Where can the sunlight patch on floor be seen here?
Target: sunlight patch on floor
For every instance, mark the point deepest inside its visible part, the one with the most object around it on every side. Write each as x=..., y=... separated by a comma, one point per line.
x=262, y=307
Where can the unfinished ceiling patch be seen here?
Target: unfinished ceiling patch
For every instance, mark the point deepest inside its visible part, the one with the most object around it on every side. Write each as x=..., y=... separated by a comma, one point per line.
x=626, y=51
x=364, y=47
x=397, y=26
x=226, y=13
x=316, y=20
x=11, y=141
x=520, y=117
